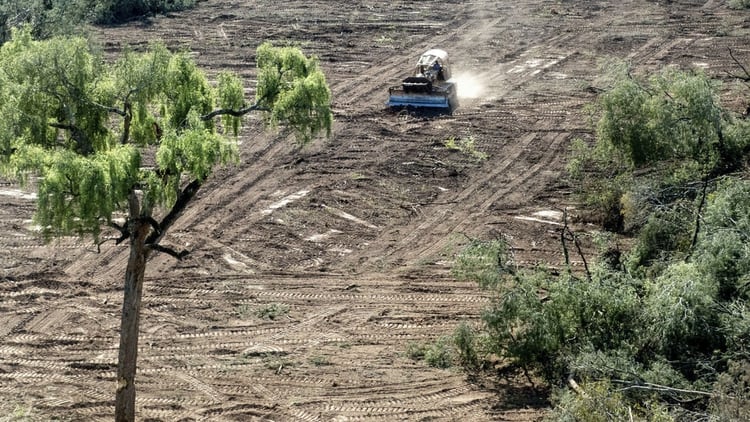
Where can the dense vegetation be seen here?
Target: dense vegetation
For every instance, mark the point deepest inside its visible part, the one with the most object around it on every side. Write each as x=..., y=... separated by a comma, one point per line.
x=661, y=330
x=58, y=17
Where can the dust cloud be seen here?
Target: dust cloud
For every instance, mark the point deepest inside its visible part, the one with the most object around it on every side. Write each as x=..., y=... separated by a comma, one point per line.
x=470, y=85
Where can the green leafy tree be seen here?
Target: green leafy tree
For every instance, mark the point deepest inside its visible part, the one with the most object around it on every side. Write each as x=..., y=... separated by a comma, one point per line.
x=82, y=130
x=673, y=116
x=45, y=18
x=655, y=139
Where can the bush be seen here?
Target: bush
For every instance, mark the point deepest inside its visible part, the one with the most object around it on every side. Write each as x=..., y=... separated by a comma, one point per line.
x=464, y=339
x=438, y=354
x=48, y=18
x=601, y=182
x=487, y=263
x=666, y=235
x=600, y=402
x=45, y=18
x=115, y=11
x=681, y=315
x=723, y=251
x=731, y=401
x=739, y=4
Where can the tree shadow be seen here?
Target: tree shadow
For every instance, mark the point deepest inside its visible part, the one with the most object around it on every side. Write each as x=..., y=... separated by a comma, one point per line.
x=513, y=389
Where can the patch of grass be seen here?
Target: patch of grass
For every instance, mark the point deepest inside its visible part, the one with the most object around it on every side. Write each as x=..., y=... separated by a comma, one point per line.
x=384, y=40
x=466, y=145
x=272, y=311
x=243, y=311
x=438, y=354
x=11, y=412
x=319, y=360
x=415, y=351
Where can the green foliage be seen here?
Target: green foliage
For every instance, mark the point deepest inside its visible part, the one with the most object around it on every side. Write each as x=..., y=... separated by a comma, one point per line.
x=415, y=350
x=731, y=401
x=294, y=91
x=48, y=18
x=486, y=263
x=541, y=321
x=84, y=128
x=665, y=235
x=600, y=402
x=44, y=18
x=674, y=115
x=671, y=324
x=114, y=11
x=723, y=252
x=602, y=181
x=465, y=145
x=272, y=311
x=439, y=354
x=231, y=96
x=465, y=342
x=670, y=332
x=739, y=4
x=680, y=313
x=655, y=138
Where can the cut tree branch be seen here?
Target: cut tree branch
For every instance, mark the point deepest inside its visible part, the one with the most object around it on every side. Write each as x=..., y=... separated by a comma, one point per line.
x=566, y=231
x=629, y=385
x=171, y=252
x=232, y=112
x=698, y=217
x=746, y=78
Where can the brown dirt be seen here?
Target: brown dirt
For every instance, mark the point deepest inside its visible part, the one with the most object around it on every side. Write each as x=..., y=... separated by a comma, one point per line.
x=354, y=235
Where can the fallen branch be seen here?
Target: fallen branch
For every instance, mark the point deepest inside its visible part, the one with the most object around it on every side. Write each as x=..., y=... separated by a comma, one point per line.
x=577, y=388
x=630, y=385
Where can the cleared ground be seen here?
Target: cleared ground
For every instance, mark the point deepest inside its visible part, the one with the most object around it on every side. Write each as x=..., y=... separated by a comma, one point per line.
x=352, y=238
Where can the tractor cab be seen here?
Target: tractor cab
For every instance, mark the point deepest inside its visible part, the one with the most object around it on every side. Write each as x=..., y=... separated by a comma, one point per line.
x=434, y=65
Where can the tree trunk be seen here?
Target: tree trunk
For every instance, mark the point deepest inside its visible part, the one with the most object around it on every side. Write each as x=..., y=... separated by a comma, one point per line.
x=131, y=308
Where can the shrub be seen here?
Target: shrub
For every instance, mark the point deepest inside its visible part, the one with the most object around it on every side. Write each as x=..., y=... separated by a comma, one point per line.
x=487, y=263
x=681, y=316
x=464, y=340
x=598, y=401
x=44, y=18
x=438, y=354
x=114, y=11
x=48, y=18
x=739, y=4
x=272, y=311
x=666, y=235
x=723, y=251
x=732, y=399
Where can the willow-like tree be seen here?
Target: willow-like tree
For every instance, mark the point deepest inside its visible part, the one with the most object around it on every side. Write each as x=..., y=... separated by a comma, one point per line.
x=82, y=130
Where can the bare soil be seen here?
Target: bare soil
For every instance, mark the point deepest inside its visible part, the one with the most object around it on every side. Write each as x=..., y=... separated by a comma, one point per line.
x=349, y=240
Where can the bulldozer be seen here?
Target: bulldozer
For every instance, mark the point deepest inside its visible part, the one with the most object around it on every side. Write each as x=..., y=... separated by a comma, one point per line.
x=430, y=88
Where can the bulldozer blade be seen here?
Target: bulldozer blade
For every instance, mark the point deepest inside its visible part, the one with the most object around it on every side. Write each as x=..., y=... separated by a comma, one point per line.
x=414, y=100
